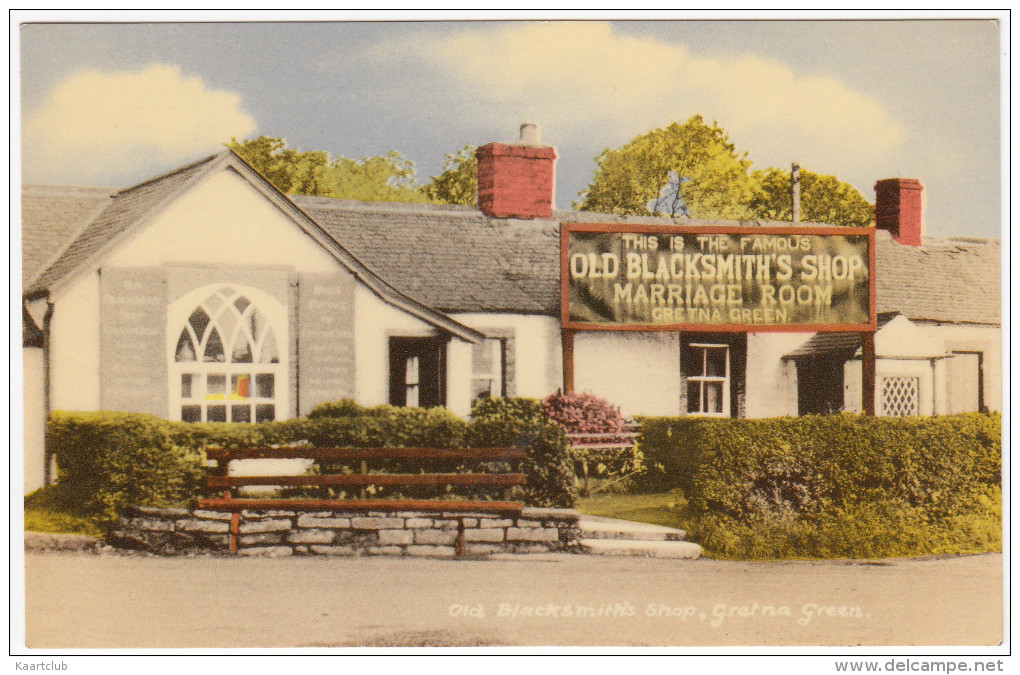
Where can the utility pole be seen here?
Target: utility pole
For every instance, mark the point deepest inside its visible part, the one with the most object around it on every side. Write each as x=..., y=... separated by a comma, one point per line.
x=795, y=191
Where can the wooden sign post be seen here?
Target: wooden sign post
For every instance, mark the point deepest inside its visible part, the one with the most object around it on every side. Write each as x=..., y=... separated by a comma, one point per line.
x=868, y=373
x=807, y=279
x=567, y=342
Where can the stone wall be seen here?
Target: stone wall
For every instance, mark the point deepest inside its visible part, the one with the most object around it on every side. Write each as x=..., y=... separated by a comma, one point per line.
x=415, y=533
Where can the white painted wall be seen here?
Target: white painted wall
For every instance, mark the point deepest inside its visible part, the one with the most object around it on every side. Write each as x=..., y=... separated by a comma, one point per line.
x=919, y=368
x=919, y=340
x=34, y=418
x=223, y=220
x=988, y=341
x=458, y=376
x=374, y=322
x=771, y=387
x=74, y=346
x=538, y=363
x=638, y=371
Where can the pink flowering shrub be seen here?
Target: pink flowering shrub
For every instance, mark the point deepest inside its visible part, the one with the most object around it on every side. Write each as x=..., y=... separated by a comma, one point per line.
x=583, y=413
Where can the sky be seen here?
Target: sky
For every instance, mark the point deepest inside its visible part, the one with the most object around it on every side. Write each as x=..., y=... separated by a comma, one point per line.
x=115, y=104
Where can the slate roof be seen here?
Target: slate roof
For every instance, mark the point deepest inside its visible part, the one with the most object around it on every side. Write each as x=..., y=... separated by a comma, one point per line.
x=455, y=259
x=119, y=214
x=460, y=261
x=133, y=206
x=50, y=217
x=954, y=280
x=834, y=345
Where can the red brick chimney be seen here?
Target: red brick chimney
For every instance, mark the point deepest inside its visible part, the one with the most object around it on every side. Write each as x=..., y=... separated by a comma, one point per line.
x=517, y=180
x=898, y=209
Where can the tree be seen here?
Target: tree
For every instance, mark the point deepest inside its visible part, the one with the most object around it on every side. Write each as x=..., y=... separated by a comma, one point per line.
x=713, y=177
x=387, y=178
x=823, y=199
x=458, y=182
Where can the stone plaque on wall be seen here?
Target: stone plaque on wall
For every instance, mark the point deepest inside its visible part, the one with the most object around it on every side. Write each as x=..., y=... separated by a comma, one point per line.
x=325, y=339
x=132, y=340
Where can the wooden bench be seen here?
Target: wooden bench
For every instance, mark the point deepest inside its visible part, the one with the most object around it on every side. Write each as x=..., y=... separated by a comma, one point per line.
x=605, y=447
x=218, y=478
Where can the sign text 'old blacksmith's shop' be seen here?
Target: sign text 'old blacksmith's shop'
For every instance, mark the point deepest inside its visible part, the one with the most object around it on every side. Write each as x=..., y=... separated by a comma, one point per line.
x=630, y=277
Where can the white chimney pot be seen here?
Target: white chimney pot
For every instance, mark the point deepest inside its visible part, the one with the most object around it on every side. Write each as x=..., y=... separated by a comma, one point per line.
x=531, y=135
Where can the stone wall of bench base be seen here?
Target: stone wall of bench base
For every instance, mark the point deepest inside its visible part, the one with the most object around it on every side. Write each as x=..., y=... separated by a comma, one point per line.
x=413, y=533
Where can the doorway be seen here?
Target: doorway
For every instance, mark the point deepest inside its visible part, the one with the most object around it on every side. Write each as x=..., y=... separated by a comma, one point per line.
x=417, y=372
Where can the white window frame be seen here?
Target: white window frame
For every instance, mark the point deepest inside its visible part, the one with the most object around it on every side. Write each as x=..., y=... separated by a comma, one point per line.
x=275, y=313
x=412, y=381
x=704, y=378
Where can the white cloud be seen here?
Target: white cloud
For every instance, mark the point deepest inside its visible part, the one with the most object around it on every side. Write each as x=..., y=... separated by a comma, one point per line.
x=582, y=81
x=100, y=124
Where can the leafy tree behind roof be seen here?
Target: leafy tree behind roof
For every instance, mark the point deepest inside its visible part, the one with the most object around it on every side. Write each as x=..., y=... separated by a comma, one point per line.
x=388, y=178
x=458, y=182
x=714, y=177
x=693, y=170
x=823, y=199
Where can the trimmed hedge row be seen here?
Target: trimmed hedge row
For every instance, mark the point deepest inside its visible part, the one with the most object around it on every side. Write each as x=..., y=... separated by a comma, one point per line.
x=822, y=485
x=740, y=467
x=109, y=460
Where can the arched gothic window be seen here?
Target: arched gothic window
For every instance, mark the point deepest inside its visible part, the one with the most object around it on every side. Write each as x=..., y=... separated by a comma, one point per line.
x=228, y=357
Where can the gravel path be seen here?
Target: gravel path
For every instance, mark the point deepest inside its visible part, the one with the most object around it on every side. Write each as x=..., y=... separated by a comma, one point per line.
x=116, y=601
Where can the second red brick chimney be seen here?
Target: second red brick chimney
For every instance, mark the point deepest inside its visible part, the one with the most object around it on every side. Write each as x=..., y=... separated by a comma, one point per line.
x=517, y=180
x=898, y=209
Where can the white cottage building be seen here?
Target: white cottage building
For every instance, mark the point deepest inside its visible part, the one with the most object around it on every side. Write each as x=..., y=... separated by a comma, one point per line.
x=206, y=294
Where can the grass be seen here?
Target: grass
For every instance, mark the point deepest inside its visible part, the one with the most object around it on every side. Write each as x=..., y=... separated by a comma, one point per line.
x=659, y=508
x=43, y=515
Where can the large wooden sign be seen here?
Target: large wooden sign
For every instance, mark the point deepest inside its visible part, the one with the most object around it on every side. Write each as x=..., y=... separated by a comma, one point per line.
x=686, y=278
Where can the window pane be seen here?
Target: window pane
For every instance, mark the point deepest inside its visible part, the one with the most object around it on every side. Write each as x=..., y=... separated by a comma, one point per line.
x=270, y=352
x=693, y=396
x=482, y=389
x=242, y=349
x=191, y=413
x=265, y=412
x=226, y=323
x=217, y=413
x=216, y=387
x=258, y=324
x=186, y=385
x=265, y=385
x=715, y=361
x=713, y=397
x=199, y=320
x=481, y=357
x=241, y=304
x=240, y=413
x=214, y=348
x=185, y=349
x=240, y=386
x=213, y=303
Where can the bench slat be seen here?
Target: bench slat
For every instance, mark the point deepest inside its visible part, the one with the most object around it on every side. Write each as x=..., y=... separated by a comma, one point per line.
x=235, y=505
x=370, y=479
x=299, y=452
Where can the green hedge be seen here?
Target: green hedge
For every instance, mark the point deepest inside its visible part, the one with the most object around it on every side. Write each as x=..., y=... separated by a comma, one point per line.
x=109, y=460
x=548, y=466
x=820, y=484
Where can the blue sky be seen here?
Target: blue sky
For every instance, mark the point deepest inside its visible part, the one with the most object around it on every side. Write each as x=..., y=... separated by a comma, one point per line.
x=113, y=104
